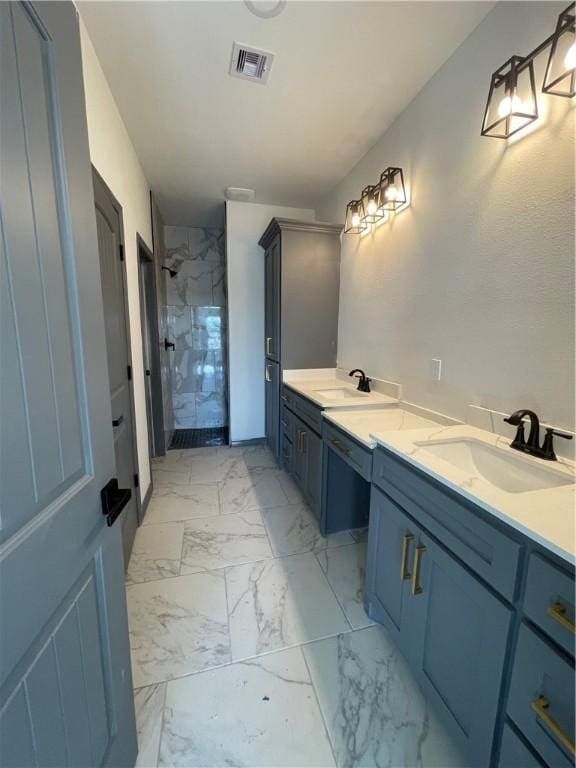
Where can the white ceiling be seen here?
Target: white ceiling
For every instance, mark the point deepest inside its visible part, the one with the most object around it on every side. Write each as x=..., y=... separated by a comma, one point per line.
x=341, y=74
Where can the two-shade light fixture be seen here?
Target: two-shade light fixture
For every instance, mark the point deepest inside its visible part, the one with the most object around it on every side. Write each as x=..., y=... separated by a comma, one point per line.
x=376, y=201
x=512, y=103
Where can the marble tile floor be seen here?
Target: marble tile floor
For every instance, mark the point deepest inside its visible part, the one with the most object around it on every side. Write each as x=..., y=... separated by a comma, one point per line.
x=250, y=644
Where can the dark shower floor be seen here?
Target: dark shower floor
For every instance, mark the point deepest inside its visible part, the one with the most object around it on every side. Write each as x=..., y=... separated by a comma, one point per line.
x=198, y=438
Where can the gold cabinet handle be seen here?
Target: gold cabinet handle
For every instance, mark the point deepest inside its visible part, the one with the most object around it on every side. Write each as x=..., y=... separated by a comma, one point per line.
x=558, y=612
x=299, y=441
x=541, y=705
x=404, y=575
x=416, y=588
x=304, y=441
x=339, y=447
x=268, y=340
x=268, y=374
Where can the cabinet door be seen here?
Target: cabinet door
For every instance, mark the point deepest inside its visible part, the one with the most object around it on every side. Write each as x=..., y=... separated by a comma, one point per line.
x=273, y=407
x=460, y=631
x=391, y=542
x=312, y=446
x=299, y=462
x=272, y=301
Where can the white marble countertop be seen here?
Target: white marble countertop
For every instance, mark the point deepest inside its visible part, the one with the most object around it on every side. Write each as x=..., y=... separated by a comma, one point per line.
x=360, y=424
x=546, y=515
x=310, y=388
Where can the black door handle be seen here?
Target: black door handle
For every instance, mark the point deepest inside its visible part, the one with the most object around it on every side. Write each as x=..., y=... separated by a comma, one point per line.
x=118, y=421
x=169, y=344
x=114, y=500
x=147, y=371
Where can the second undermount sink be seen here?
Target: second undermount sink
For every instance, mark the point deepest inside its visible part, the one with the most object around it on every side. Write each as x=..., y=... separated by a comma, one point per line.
x=339, y=393
x=500, y=467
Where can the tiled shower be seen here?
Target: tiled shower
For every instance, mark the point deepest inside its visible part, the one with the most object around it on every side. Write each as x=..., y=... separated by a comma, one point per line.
x=196, y=314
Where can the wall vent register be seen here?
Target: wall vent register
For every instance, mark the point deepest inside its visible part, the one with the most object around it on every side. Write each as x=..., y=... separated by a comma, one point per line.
x=250, y=63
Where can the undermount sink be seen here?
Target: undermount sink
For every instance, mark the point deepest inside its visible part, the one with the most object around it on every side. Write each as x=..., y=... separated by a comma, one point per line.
x=499, y=467
x=339, y=393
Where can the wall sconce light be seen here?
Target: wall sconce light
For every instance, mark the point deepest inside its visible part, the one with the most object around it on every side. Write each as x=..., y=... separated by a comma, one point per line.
x=560, y=77
x=511, y=103
x=391, y=190
x=371, y=210
x=354, y=224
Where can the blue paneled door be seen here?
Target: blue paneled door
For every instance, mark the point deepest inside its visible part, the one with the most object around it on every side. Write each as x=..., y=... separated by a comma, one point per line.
x=65, y=680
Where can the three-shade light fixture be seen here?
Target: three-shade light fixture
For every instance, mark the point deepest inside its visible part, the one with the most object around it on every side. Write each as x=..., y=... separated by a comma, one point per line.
x=512, y=103
x=376, y=201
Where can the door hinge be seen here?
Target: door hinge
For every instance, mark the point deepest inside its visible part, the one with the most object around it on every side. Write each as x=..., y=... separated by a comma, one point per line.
x=136, y=481
x=121, y=251
x=129, y=372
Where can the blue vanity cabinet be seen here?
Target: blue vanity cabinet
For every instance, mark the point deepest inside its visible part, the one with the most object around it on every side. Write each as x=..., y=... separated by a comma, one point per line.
x=540, y=700
x=391, y=537
x=450, y=627
x=515, y=753
x=347, y=470
x=459, y=630
x=306, y=463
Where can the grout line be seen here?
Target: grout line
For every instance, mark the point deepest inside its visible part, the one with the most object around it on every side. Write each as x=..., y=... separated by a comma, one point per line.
x=325, y=574
x=163, y=719
x=320, y=709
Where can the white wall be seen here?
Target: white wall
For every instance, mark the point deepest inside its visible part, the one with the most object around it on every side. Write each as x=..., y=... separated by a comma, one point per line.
x=245, y=224
x=479, y=270
x=113, y=155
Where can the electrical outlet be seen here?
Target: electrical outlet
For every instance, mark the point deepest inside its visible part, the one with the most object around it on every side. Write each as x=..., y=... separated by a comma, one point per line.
x=436, y=369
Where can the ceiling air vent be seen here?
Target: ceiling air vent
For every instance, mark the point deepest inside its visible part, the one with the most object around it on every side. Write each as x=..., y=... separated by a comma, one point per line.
x=250, y=63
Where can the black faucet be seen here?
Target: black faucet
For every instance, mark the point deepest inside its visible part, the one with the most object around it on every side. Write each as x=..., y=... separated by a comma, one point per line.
x=363, y=380
x=532, y=445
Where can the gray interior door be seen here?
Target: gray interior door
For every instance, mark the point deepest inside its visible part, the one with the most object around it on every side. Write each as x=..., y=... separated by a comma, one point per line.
x=65, y=679
x=111, y=251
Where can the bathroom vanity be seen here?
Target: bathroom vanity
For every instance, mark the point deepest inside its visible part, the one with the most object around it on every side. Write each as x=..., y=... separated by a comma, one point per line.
x=470, y=563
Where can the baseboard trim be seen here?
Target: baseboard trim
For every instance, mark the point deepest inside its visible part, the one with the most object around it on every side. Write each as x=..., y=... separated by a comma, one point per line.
x=146, y=501
x=243, y=443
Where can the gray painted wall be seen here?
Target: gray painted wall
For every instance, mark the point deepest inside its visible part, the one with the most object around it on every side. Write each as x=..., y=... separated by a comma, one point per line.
x=479, y=270
x=196, y=314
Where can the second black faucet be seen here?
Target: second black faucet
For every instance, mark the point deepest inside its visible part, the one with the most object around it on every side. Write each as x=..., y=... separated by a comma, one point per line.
x=363, y=380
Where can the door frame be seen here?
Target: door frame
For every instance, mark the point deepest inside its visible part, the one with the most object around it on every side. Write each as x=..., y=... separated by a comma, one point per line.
x=118, y=207
x=156, y=411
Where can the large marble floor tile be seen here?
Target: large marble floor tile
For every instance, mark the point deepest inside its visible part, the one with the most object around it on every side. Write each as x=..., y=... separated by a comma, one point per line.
x=256, y=491
x=259, y=457
x=215, y=542
x=149, y=705
x=216, y=466
x=292, y=528
x=290, y=488
x=259, y=713
x=170, y=474
x=156, y=552
x=277, y=603
x=345, y=569
x=177, y=626
x=182, y=502
x=375, y=712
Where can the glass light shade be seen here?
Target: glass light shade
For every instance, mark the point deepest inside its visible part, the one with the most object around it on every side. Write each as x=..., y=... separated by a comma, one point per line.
x=391, y=190
x=371, y=212
x=560, y=77
x=354, y=224
x=511, y=103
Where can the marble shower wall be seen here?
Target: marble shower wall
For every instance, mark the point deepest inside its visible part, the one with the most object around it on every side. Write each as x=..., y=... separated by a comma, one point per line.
x=196, y=315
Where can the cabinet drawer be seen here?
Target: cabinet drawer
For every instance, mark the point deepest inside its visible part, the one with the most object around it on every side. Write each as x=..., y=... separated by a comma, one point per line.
x=287, y=396
x=287, y=424
x=549, y=601
x=452, y=519
x=357, y=457
x=541, y=676
x=307, y=411
x=286, y=453
x=515, y=754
